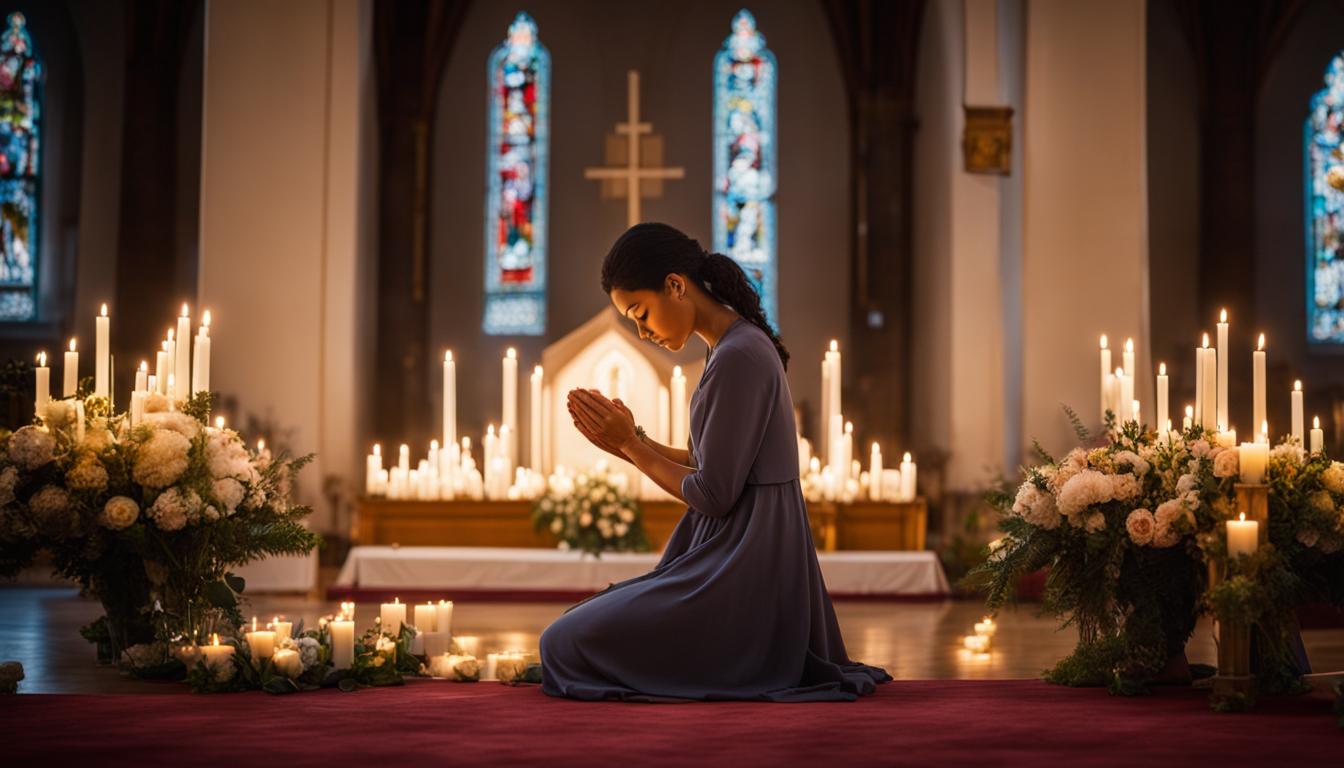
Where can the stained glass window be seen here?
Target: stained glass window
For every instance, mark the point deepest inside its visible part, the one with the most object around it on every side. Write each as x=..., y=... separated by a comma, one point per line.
x=515, y=207
x=20, y=124
x=744, y=156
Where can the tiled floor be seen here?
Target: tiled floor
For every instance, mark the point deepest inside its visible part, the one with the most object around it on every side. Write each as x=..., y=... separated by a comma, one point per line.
x=40, y=627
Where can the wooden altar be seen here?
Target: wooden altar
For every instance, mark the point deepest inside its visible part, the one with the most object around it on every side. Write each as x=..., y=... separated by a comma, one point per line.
x=867, y=526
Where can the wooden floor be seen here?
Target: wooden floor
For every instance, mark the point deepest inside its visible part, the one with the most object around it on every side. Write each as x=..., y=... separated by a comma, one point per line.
x=40, y=627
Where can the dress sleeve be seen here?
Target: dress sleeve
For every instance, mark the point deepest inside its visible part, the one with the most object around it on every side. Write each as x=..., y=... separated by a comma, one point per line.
x=738, y=395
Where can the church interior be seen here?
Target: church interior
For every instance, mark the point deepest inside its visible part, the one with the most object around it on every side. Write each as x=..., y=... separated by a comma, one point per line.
x=338, y=265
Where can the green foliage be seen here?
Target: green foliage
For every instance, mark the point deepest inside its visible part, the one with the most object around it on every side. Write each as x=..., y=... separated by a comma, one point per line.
x=593, y=516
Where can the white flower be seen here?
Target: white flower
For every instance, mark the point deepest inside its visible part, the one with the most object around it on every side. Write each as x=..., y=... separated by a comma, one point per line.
x=622, y=529
x=144, y=654
x=161, y=459
x=1227, y=463
x=229, y=493
x=1132, y=460
x=1125, y=487
x=1168, y=516
x=1322, y=502
x=1036, y=506
x=1141, y=527
x=288, y=663
x=51, y=507
x=175, y=421
x=1333, y=477
x=1083, y=490
x=1289, y=453
x=119, y=512
x=1199, y=448
x=88, y=474
x=1308, y=537
x=1186, y=484
x=227, y=456
x=309, y=651
x=31, y=447
x=99, y=438
x=627, y=515
x=58, y=413
x=173, y=509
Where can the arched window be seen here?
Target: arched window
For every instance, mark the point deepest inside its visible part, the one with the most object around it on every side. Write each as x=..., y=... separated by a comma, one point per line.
x=515, y=206
x=20, y=179
x=744, y=156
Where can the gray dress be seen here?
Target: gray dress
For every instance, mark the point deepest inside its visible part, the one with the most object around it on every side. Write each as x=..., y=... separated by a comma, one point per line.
x=736, y=608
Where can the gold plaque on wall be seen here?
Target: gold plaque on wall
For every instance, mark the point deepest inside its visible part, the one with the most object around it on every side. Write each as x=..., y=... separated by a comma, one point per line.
x=987, y=141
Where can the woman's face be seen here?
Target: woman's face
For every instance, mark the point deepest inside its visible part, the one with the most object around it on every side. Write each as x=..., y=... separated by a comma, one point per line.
x=666, y=317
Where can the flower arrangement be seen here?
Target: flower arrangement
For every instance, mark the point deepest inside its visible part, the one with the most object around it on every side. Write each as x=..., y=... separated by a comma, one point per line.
x=149, y=519
x=1128, y=528
x=591, y=512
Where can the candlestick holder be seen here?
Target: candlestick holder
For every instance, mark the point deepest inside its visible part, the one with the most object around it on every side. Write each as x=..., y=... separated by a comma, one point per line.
x=1234, y=685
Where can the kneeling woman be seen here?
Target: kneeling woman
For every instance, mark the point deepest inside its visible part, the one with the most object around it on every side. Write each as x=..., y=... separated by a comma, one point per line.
x=736, y=608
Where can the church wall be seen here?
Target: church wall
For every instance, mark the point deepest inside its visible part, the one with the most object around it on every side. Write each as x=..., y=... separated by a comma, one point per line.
x=280, y=223
x=1085, y=209
x=1281, y=248
x=592, y=43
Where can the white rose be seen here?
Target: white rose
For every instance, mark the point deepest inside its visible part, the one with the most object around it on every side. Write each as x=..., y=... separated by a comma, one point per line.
x=288, y=663
x=161, y=459
x=119, y=512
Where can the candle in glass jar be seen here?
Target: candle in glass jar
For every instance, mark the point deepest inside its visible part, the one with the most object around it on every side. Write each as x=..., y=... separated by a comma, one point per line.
x=260, y=642
x=1243, y=536
x=282, y=629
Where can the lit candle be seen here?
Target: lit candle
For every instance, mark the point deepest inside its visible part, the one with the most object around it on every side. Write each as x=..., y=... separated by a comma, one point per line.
x=182, y=356
x=1243, y=536
x=847, y=452
x=1105, y=377
x=426, y=617
x=875, y=474
x=172, y=391
x=1210, y=418
x=142, y=377
x=216, y=655
x=42, y=384
x=71, y=371
x=908, y=472
x=101, y=327
x=282, y=629
x=261, y=642
x=1258, y=383
x=342, y=641
x=1222, y=353
x=1189, y=421
x=1129, y=358
x=1253, y=458
x=1126, y=396
x=1227, y=438
x=679, y=420
x=161, y=368
x=373, y=468
x=1317, y=435
x=449, y=399
x=393, y=615
x=825, y=414
x=986, y=627
x=200, y=372
x=1111, y=386
x=534, y=414
x=444, y=622
x=1163, y=421
x=1298, y=432
x=1199, y=380
x=976, y=643
x=1134, y=410
x=510, y=372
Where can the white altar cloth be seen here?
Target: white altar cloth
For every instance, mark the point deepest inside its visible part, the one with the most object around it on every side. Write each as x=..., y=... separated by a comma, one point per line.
x=894, y=574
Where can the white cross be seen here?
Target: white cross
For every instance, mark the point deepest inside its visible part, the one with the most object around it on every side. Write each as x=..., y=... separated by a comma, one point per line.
x=631, y=173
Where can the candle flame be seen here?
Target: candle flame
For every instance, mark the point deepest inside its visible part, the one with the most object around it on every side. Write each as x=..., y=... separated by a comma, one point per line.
x=72, y=344
x=1162, y=369
x=261, y=444
x=536, y=371
x=1103, y=341
x=42, y=358
x=144, y=366
x=219, y=422
x=185, y=313
x=448, y=356
x=1262, y=343
x=676, y=371
x=1297, y=385
x=849, y=426
x=170, y=335
x=1189, y=411
x=490, y=430
x=835, y=345
x=216, y=637
x=1129, y=345
x=404, y=448
x=1206, y=341
x=875, y=448
x=1119, y=372
x=1264, y=427
x=104, y=310
x=1242, y=517
x=205, y=319
x=906, y=459
x=377, y=449
x=1315, y=422
x=433, y=445
x=1222, y=316
x=511, y=353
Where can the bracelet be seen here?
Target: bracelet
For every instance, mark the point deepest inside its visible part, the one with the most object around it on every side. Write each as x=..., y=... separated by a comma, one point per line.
x=640, y=433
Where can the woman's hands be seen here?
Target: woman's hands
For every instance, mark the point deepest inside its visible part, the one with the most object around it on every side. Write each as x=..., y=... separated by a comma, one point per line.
x=605, y=423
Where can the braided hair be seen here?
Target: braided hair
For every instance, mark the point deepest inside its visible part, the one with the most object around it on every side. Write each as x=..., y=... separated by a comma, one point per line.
x=643, y=257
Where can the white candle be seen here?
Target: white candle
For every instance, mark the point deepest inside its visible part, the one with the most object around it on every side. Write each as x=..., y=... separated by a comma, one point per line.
x=1189, y=421
x=1112, y=388
x=261, y=642
x=1298, y=433
x=1253, y=458
x=1243, y=536
x=449, y=399
x=137, y=407
x=875, y=474
x=142, y=377
x=216, y=655
x=679, y=420
x=664, y=414
x=444, y=622
x=1227, y=438
x=1134, y=410
x=1129, y=358
x=510, y=372
x=172, y=391
x=1210, y=418
x=825, y=400
x=393, y=615
x=1124, y=404
x=79, y=421
x=404, y=458
x=161, y=370
x=42, y=384
x=1258, y=383
x=101, y=328
x=200, y=373
x=534, y=413
x=908, y=473
x=847, y=454
x=342, y=642
x=426, y=617
x=836, y=422
x=1199, y=380
x=182, y=356
x=71, y=371
x=373, y=471
x=1222, y=353
x=1317, y=435
x=170, y=364
x=282, y=629
x=1105, y=377
x=1163, y=420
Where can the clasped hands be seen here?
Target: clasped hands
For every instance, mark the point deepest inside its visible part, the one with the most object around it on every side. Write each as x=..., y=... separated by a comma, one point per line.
x=608, y=424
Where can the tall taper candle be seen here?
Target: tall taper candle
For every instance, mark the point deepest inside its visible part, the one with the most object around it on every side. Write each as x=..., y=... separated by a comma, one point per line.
x=1258, y=385
x=534, y=411
x=170, y=347
x=449, y=399
x=837, y=378
x=200, y=372
x=825, y=425
x=142, y=376
x=1222, y=371
x=1199, y=380
x=42, y=384
x=71, y=372
x=679, y=423
x=1122, y=411
x=1129, y=358
x=1105, y=377
x=101, y=327
x=161, y=369
x=1210, y=387
x=875, y=474
x=510, y=372
x=1299, y=433
x=1162, y=381
x=182, y=356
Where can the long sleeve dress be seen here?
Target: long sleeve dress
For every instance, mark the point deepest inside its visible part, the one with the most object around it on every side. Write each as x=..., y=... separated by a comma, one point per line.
x=736, y=608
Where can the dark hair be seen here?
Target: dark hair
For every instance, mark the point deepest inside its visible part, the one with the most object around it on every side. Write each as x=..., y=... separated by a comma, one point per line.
x=643, y=257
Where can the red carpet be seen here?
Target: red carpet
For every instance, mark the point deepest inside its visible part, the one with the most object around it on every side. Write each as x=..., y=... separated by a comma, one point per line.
x=953, y=722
